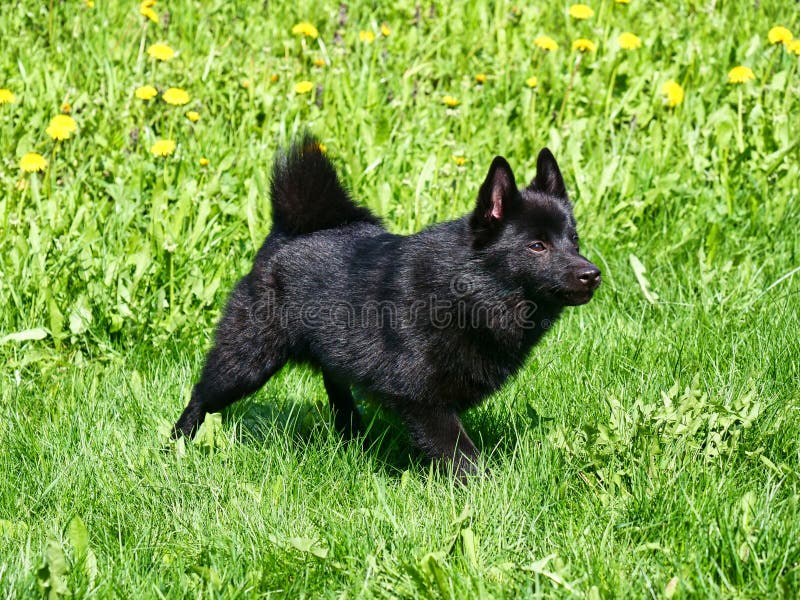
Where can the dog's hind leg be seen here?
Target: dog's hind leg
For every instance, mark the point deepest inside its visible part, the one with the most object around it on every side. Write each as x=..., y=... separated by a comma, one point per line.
x=249, y=348
x=345, y=414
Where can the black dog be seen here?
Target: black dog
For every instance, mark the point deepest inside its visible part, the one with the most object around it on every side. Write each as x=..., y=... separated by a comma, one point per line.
x=430, y=323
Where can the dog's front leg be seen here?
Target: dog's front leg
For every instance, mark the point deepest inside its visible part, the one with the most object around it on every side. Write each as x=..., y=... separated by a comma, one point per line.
x=441, y=436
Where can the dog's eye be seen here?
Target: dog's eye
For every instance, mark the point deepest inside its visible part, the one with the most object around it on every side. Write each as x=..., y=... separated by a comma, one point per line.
x=575, y=240
x=536, y=246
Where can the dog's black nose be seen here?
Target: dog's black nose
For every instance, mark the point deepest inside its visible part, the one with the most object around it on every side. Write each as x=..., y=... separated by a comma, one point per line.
x=590, y=277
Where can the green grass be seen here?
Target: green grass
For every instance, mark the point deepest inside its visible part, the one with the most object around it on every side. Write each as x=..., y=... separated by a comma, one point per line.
x=649, y=448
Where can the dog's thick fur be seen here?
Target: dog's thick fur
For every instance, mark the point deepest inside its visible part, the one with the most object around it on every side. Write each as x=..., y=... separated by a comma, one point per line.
x=430, y=323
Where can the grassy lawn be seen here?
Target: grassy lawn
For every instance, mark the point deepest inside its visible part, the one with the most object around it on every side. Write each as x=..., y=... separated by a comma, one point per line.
x=650, y=448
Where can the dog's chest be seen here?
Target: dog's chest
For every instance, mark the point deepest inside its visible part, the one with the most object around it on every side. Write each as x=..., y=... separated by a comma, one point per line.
x=469, y=367
x=466, y=374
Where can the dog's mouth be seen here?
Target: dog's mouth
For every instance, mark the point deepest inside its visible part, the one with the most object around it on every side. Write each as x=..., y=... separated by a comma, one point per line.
x=576, y=298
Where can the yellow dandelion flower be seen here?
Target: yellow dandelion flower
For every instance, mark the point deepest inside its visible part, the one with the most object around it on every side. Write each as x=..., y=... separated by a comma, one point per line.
x=33, y=162
x=450, y=101
x=580, y=11
x=274, y=77
x=146, y=92
x=245, y=83
x=163, y=147
x=459, y=160
x=175, y=96
x=629, y=41
x=88, y=3
x=305, y=28
x=545, y=42
x=193, y=116
x=203, y=162
x=366, y=36
x=673, y=91
x=385, y=31
x=323, y=148
x=532, y=82
x=7, y=96
x=61, y=127
x=303, y=87
x=793, y=46
x=740, y=74
x=319, y=62
x=480, y=78
x=66, y=108
x=584, y=45
x=779, y=35
x=161, y=51
x=148, y=12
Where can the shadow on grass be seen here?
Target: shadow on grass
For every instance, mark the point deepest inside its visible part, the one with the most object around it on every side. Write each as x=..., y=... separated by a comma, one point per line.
x=497, y=431
x=311, y=423
x=386, y=440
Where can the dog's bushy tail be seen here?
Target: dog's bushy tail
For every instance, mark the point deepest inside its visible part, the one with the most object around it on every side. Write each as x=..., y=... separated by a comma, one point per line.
x=307, y=195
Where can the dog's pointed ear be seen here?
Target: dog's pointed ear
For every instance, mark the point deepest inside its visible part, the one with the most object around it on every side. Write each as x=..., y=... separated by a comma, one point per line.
x=548, y=178
x=497, y=197
x=498, y=192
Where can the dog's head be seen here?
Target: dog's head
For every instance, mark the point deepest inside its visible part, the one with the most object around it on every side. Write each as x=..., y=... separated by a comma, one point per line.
x=530, y=236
